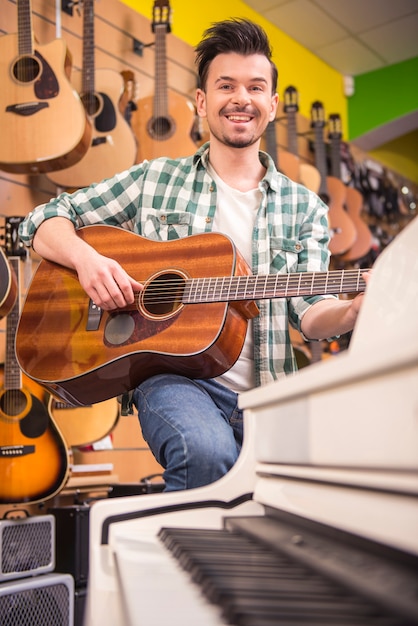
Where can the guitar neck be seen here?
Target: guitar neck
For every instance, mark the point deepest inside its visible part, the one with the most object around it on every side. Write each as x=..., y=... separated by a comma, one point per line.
x=12, y=372
x=160, y=97
x=88, y=48
x=24, y=21
x=292, y=135
x=239, y=288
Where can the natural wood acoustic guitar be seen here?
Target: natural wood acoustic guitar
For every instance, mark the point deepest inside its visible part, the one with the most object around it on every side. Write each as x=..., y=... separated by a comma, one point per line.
x=163, y=123
x=36, y=102
x=353, y=198
x=190, y=318
x=81, y=426
x=113, y=145
x=34, y=463
x=308, y=174
x=332, y=190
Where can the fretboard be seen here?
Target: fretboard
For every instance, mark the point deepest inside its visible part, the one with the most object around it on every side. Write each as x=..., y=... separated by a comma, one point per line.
x=227, y=289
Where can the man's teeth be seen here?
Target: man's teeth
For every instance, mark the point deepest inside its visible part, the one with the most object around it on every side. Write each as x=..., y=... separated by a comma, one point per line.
x=239, y=118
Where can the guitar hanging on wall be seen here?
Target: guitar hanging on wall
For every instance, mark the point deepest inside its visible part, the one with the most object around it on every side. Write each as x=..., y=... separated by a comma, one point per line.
x=113, y=147
x=34, y=462
x=308, y=174
x=163, y=123
x=353, y=200
x=332, y=190
x=36, y=102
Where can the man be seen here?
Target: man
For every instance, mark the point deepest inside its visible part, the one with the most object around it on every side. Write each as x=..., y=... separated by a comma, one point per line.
x=194, y=427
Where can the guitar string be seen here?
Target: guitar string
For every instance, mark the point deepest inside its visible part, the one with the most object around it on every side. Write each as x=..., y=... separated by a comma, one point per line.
x=238, y=287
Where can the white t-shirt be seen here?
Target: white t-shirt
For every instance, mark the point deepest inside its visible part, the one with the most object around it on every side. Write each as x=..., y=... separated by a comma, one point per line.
x=235, y=216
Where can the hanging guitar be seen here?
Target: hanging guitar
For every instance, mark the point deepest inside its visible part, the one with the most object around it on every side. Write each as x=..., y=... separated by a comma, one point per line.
x=191, y=317
x=36, y=102
x=8, y=285
x=113, y=146
x=163, y=123
x=308, y=174
x=285, y=162
x=84, y=425
x=34, y=463
x=353, y=199
x=332, y=190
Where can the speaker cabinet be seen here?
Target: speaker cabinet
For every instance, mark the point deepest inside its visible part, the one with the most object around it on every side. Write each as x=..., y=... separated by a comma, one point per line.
x=72, y=541
x=27, y=547
x=39, y=601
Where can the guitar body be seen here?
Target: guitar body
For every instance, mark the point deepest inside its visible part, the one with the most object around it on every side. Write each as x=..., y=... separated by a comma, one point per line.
x=34, y=463
x=38, y=111
x=8, y=286
x=309, y=177
x=84, y=425
x=343, y=231
x=168, y=135
x=113, y=146
x=124, y=347
x=363, y=242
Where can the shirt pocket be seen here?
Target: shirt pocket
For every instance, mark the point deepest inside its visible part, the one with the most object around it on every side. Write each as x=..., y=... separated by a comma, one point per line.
x=285, y=254
x=165, y=225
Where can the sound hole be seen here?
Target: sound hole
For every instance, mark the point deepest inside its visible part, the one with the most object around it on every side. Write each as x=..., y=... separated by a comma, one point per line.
x=92, y=103
x=26, y=69
x=13, y=402
x=163, y=295
x=161, y=127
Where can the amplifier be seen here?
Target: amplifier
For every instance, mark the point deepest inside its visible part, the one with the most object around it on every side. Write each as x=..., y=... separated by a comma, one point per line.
x=72, y=541
x=46, y=600
x=27, y=547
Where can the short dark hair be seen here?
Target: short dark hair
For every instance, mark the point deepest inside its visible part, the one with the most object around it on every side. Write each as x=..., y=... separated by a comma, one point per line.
x=233, y=35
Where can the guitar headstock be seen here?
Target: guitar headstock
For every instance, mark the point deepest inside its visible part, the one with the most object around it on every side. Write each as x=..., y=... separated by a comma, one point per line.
x=13, y=246
x=161, y=15
x=334, y=125
x=291, y=100
x=317, y=115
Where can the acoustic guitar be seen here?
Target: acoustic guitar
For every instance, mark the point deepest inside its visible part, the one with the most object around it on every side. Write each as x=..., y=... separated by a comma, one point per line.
x=163, y=123
x=190, y=318
x=8, y=285
x=113, y=146
x=84, y=425
x=36, y=102
x=332, y=190
x=308, y=174
x=353, y=198
x=285, y=162
x=34, y=463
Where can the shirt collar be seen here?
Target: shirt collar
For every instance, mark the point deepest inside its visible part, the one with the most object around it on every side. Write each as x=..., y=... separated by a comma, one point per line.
x=270, y=177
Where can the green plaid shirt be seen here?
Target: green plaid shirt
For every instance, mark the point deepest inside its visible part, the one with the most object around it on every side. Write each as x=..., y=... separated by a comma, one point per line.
x=166, y=199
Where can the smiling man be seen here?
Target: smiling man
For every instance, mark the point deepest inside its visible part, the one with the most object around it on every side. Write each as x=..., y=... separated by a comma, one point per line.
x=193, y=426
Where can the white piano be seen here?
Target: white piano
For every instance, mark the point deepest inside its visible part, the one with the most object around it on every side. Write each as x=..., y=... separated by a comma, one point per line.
x=326, y=485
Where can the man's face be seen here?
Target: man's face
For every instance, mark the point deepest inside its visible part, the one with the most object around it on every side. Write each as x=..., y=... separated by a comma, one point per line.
x=238, y=101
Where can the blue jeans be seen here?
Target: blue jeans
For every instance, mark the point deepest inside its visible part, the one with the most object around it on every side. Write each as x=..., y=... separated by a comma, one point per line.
x=193, y=427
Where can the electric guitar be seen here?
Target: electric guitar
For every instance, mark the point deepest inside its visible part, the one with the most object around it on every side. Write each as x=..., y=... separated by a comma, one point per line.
x=353, y=199
x=36, y=102
x=332, y=190
x=113, y=145
x=164, y=123
x=34, y=463
x=8, y=285
x=308, y=174
x=190, y=318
